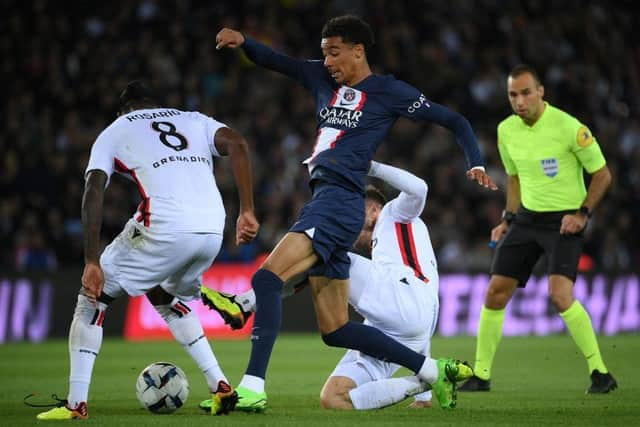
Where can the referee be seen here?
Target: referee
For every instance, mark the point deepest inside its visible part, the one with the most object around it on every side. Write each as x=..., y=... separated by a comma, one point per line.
x=544, y=151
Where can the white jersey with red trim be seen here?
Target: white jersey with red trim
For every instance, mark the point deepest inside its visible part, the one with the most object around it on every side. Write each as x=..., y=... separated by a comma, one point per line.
x=401, y=241
x=168, y=153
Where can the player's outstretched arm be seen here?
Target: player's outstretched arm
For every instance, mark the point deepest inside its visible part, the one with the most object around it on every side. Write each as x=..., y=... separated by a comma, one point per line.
x=410, y=103
x=300, y=70
x=229, y=142
x=92, y=201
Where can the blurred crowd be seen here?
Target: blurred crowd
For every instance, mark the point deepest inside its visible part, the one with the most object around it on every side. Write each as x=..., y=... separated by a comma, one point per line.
x=63, y=67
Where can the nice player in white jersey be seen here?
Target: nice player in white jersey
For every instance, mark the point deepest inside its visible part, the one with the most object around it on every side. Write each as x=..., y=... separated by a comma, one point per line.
x=396, y=291
x=174, y=235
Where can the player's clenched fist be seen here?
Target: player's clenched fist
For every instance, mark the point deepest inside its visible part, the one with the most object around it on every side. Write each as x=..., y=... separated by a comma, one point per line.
x=92, y=280
x=247, y=227
x=229, y=38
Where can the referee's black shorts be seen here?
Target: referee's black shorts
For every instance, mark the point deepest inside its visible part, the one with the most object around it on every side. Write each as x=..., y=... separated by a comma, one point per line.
x=530, y=235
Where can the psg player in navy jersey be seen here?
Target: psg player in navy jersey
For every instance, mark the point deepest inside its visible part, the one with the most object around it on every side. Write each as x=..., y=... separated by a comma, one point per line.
x=355, y=110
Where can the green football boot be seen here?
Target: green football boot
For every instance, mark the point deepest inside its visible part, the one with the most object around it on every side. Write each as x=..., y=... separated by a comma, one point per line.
x=449, y=372
x=63, y=412
x=248, y=401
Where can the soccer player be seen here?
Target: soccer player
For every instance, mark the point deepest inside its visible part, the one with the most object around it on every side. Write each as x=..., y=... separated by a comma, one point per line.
x=173, y=237
x=355, y=110
x=544, y=151
x=396, y=291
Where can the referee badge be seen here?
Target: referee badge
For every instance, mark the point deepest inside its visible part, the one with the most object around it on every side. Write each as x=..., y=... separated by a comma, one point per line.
x=584, y=137
x=550, y=167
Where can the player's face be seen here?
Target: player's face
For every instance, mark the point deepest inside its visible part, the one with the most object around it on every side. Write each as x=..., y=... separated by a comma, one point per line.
x=341, y=59
x=525, y=96
x=372, y=210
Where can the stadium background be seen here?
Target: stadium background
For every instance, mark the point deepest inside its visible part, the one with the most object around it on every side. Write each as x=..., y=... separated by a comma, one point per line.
x=62, y=69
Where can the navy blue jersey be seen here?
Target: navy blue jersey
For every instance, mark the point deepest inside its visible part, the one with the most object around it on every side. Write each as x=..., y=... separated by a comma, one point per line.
x=353, y=121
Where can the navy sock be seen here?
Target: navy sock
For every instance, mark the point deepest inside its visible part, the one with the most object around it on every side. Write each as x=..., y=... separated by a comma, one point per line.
x=267, y=287
x=375, y=343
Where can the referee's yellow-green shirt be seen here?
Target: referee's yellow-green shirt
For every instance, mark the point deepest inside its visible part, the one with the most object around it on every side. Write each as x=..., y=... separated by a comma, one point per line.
x=548, y=158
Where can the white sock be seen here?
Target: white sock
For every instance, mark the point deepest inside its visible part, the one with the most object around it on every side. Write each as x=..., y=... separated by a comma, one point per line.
x=187, y=330
x=247, y=301
x=85, y=340
x=253, y=383
x=429, y=371
x=378, y=394
x=423, y=397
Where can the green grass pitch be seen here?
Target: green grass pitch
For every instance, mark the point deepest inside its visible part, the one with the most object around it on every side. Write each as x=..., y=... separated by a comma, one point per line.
x=536, y=381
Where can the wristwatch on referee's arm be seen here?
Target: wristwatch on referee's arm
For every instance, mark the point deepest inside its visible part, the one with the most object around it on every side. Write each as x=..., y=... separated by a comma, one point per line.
x=508, y=217
x=584, y=211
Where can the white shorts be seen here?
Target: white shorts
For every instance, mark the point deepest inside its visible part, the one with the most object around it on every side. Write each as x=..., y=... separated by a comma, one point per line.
x=393, y=300
x=139, y=260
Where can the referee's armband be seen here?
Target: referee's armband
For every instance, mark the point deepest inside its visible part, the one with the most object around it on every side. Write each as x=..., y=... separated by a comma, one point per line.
x=508, y=217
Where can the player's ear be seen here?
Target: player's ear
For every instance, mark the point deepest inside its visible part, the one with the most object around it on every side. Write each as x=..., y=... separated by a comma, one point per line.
x=541, y=90
x=358, y=50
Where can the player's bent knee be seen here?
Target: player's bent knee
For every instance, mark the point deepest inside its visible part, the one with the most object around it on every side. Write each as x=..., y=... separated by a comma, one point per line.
x=561, y=301
x=335, y=393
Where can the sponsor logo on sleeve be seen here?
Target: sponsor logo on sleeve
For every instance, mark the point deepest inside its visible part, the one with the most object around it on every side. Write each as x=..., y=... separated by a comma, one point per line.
x=584, y=137
x=418, y=103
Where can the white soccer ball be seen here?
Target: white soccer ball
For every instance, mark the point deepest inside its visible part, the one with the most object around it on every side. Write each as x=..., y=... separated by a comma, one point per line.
x=162, y=387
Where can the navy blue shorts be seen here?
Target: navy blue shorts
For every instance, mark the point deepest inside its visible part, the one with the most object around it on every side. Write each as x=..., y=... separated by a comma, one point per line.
x=332, y=220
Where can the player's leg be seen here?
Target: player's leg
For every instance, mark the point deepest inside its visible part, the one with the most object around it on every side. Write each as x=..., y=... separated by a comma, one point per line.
x=85, y=341
x=330, y=302
x=363, y=382
x=563, y=264
x=513, y=261
x=335, y=393
x=235, y=310
x=184, y=274
x=492, y=314
x=292, y=256
x=85, y=334
x=187, y=330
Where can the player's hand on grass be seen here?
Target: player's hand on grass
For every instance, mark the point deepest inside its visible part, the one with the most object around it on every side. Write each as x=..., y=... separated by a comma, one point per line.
x=420, y=404
x=479, y=175
x=573, y=223
x=247, y=227
x=92, y=280
x=229, y=38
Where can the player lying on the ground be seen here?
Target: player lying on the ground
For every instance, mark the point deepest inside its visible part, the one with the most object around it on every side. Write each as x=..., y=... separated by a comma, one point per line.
x=396, y=291
x=173, y=237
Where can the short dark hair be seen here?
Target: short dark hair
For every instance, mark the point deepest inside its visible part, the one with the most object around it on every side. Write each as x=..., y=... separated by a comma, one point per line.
x=136, y=93
x=351, y=28
x=373, y=193
x=521, y=69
